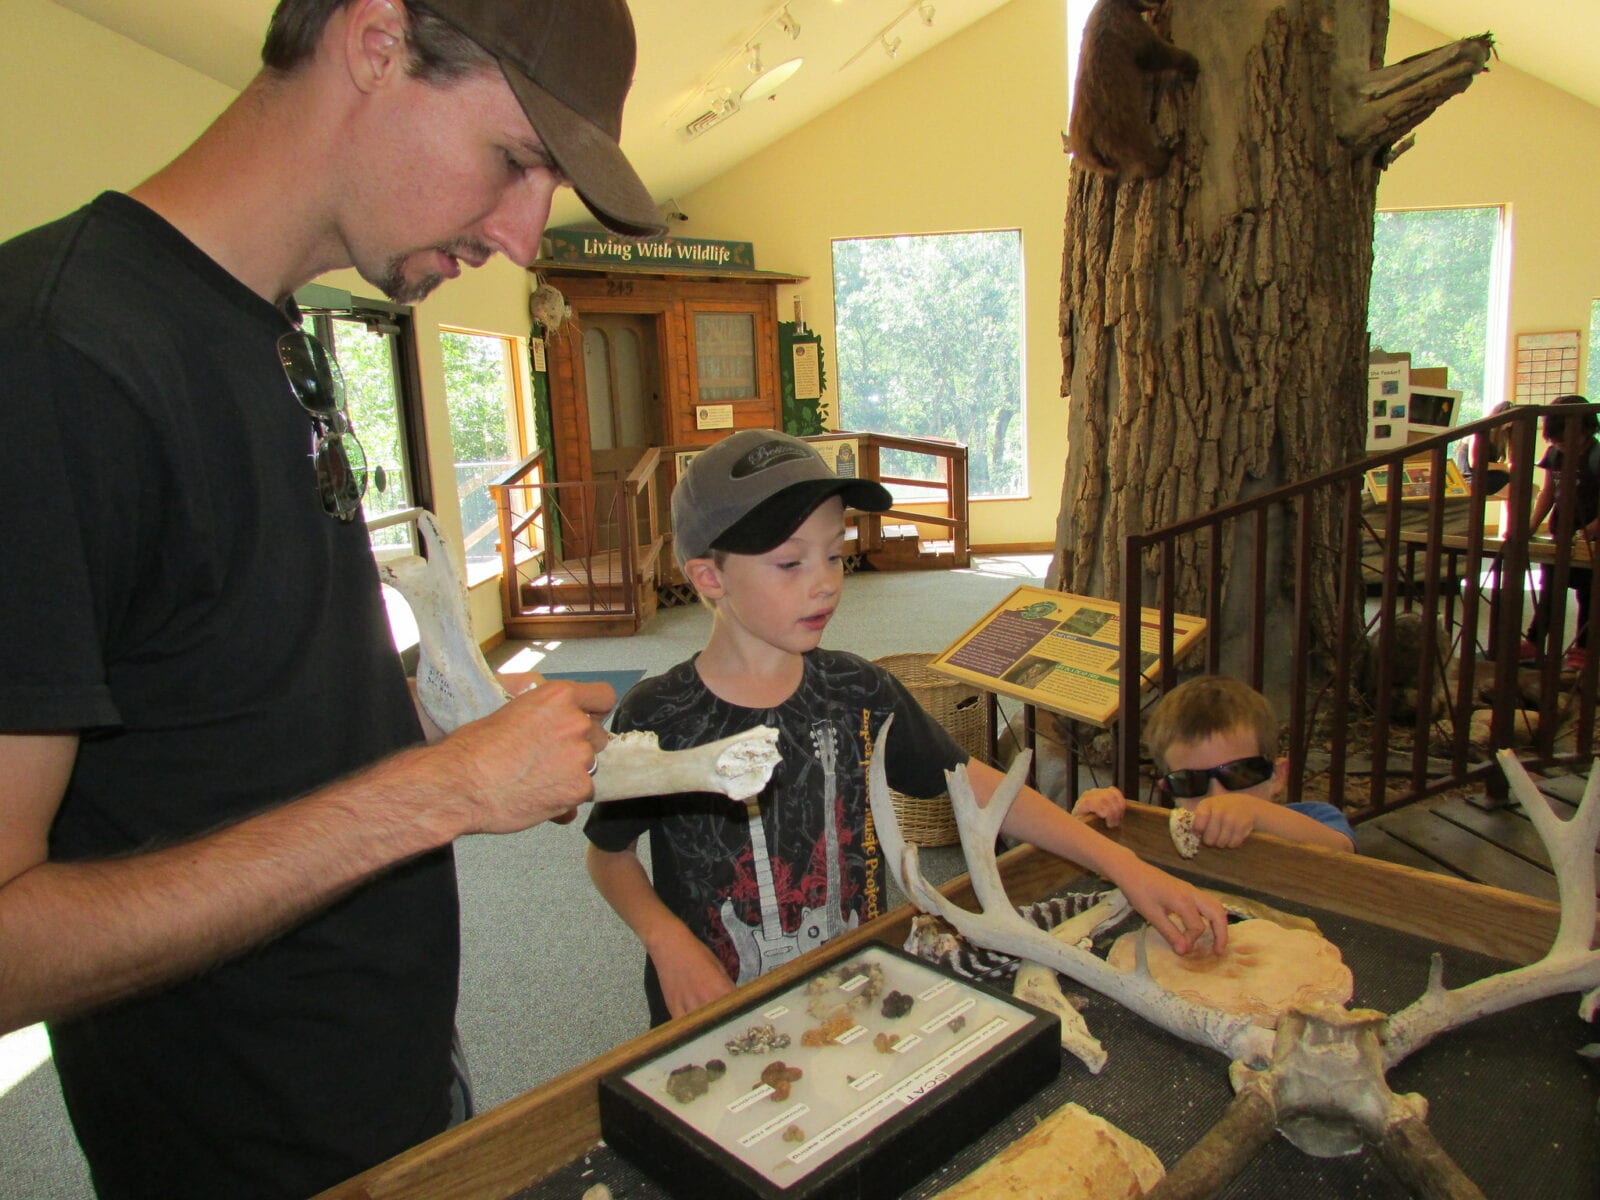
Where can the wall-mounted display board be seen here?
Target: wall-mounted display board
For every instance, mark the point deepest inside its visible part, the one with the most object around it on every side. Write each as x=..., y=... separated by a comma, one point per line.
x=1547, y=366
x=856, y=1081
x=1059, y=651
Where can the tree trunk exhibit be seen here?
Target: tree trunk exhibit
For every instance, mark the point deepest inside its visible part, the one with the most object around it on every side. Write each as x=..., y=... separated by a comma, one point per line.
x=1213, y=319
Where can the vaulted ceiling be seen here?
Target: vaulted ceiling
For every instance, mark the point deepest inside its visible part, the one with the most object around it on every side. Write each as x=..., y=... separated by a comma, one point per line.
x=692, y=54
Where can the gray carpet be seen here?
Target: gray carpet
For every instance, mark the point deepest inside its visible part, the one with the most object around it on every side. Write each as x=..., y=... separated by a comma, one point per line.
x=550, y=977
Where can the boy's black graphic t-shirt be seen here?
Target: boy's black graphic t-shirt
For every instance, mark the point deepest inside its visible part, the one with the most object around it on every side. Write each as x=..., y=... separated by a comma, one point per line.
x=759, y=894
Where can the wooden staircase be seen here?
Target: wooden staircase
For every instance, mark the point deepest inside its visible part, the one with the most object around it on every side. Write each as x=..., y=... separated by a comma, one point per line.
x=902, y=548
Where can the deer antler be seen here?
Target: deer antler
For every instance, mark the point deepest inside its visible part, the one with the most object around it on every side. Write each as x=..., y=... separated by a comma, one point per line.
x=1000, y=927
x=1571, y=965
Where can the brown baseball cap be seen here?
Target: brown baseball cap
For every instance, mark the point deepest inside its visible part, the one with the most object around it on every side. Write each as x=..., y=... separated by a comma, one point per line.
x=570, y=63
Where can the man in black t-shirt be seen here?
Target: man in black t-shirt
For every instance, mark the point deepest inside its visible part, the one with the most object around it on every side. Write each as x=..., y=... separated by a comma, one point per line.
x=225, y=869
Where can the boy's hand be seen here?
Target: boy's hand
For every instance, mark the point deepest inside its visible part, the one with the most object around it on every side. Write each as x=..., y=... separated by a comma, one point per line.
x=1107, y=803
x=1224, y=821
x=1159, y=897
x=691, y=976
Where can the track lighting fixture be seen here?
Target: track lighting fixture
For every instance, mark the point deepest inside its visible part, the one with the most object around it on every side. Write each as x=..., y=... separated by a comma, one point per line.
x=788, y=24
x=891, y=46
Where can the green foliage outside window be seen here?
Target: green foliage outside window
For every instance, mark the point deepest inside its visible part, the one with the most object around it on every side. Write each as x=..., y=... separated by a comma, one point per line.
x=929, y=333
x=1432, y=272
x=366, y=361
x=476, y=388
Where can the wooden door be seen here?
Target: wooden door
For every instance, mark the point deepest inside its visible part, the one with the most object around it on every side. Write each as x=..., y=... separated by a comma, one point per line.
x=621, y=377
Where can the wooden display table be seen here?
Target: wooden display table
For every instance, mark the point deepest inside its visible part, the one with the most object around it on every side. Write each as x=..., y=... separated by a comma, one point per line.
x=507, y=1149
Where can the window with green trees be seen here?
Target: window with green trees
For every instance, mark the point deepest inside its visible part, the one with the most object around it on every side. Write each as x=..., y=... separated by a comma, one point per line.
x=1437, y=291
x=929, y=336
x=1592, y=382
x=485, y=428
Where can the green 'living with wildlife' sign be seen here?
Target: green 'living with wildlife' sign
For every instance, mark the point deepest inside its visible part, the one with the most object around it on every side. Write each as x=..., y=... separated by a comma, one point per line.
x=590, y=248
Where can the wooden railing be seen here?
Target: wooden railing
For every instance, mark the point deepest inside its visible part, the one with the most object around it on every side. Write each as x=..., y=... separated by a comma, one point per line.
x=1449, y=562
x=949, y=486
x=587, y=548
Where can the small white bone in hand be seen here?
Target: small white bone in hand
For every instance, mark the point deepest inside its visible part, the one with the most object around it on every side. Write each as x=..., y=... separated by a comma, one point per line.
x=738, y=767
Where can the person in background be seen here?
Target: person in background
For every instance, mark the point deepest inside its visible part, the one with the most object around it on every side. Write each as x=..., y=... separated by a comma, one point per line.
x=1585, y=509
x=226, y=879
x=758, y=525
x=1215, y=742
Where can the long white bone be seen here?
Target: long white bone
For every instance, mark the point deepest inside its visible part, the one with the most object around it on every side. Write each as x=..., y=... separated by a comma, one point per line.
x=999, y=927
x=456, y=685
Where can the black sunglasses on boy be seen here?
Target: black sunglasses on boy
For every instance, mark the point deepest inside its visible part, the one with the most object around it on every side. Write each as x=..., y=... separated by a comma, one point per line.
x=1194, y=782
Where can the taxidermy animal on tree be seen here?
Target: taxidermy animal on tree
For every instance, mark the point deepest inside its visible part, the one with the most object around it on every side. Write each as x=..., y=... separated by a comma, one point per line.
x=1109, y=130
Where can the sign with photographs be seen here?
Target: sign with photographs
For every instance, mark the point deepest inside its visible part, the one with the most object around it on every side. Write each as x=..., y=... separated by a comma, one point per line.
x=1416, y=481
x=1060, y=652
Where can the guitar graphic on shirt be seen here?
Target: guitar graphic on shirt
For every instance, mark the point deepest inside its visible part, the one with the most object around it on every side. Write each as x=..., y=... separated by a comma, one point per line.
x=760, y=948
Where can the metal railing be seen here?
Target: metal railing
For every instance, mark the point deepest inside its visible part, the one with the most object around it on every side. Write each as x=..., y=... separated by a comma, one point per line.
x=1327, y=704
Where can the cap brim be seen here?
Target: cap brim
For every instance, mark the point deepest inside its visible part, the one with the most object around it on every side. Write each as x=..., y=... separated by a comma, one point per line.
x=770, y=523
x=587, y=155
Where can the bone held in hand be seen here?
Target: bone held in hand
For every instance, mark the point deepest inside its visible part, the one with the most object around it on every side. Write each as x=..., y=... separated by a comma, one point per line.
x=633, y=764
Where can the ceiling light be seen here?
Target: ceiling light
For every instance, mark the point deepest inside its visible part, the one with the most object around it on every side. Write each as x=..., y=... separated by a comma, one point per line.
x=772, y=80
x=925, y=11
x=753, y=58
x=891, y=46
x=788, y=24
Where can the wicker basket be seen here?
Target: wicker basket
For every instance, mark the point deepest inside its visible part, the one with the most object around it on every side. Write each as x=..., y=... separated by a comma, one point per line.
x=961, y=709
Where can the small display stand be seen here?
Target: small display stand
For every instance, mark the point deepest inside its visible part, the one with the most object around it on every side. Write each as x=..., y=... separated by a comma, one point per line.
x=1060, y=652
x=859, y=1080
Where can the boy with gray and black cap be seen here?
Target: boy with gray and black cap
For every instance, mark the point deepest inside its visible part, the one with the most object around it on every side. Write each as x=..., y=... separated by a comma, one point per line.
x=759, y=526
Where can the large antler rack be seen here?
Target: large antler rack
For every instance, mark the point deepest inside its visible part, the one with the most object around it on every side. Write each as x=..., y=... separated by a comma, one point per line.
x=1572, y=963
x=999, y=927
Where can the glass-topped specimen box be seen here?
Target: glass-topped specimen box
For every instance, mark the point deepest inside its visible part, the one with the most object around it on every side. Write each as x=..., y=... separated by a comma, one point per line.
x=857, y=1081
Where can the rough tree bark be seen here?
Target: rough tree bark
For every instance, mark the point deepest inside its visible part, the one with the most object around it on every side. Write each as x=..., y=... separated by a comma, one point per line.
x=1213, y=320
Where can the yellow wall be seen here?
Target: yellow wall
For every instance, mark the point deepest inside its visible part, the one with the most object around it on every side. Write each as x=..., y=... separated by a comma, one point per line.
x=83, y=109
x=1513, y=139
x=966, y=136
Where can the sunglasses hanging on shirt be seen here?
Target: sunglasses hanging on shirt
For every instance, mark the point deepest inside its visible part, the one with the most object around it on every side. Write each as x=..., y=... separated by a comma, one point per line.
x=317, y=384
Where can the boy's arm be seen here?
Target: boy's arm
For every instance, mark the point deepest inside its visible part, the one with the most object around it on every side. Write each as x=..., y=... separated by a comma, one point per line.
x=1157, y=895
x=1224, y=821
x=690, y=974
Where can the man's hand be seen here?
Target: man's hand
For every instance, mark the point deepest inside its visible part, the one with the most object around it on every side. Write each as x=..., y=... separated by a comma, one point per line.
x=1224, y=821
x=1107, y=803
x=691, y=975
x=1160, y=897
x=529, y=761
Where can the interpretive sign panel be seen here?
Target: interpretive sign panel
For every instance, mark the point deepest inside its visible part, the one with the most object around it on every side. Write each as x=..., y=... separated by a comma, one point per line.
x=1060, y=651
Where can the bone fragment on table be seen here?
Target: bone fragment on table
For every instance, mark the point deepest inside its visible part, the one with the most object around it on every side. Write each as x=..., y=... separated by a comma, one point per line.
x=1572, y=964
x=999, y=927
x=1040, y=986
x=455, y=685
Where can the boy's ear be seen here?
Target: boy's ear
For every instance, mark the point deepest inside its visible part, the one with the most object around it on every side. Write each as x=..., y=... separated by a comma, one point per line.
x=704, y=576
x=1280, y=777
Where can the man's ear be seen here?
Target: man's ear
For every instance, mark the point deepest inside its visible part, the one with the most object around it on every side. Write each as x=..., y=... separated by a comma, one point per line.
x=705, y=577
x=375, y=42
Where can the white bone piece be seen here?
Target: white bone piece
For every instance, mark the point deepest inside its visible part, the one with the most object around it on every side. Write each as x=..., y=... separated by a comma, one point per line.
x=1181, y=826
x=456, y=685
x=1039, y=985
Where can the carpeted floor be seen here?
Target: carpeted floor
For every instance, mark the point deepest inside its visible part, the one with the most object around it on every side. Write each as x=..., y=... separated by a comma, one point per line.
x=550, y=977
